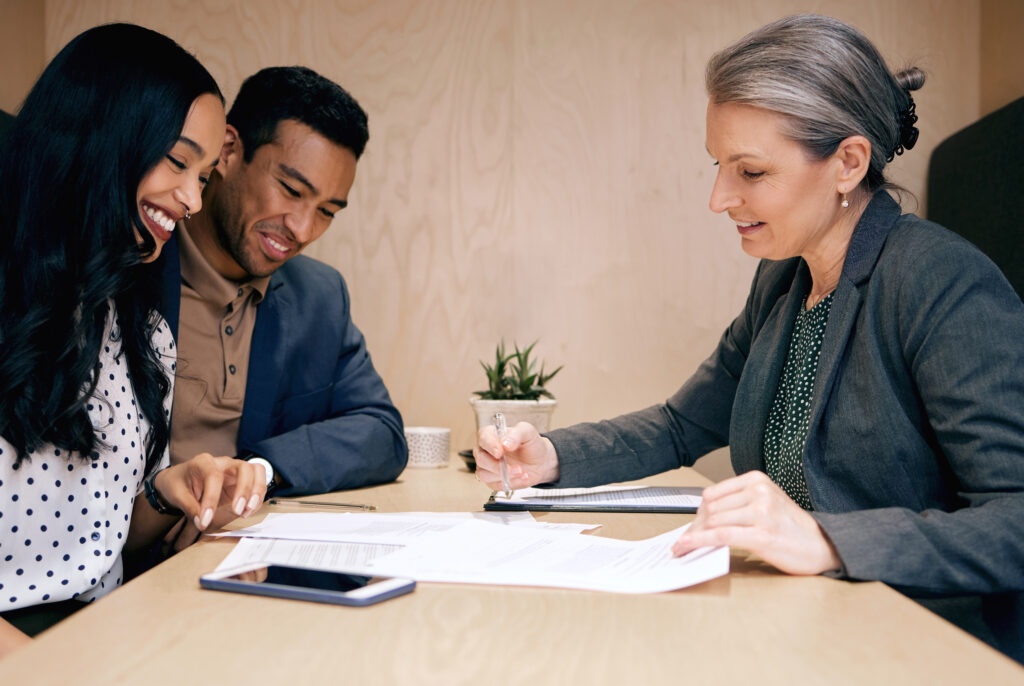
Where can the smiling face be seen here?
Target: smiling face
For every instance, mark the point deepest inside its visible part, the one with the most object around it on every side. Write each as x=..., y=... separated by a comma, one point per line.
x=174, y=186
x=267, y=210
x=783, y=202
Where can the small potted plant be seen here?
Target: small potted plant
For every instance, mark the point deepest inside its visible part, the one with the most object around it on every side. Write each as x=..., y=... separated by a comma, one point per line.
x=516, y=388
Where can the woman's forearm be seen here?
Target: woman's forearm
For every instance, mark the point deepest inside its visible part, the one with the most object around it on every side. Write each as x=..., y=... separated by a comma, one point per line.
x=10, y=638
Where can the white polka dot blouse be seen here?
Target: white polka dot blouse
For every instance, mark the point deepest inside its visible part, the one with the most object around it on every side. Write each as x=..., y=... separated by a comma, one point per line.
x=64, y=519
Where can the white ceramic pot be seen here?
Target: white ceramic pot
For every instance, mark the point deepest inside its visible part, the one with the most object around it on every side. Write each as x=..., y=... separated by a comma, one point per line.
x=536, y=412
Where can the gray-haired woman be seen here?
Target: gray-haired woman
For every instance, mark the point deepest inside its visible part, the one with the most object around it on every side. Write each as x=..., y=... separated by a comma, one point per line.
x=872, y=390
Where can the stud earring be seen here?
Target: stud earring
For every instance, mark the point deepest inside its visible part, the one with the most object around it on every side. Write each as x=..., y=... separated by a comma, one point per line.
x=188, y=212
x=845, y=202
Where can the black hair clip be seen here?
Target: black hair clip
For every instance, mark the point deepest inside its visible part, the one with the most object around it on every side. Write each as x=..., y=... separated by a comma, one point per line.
x=908, y=132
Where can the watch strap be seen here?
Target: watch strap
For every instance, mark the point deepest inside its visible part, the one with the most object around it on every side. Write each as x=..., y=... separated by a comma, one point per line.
x=154, y=498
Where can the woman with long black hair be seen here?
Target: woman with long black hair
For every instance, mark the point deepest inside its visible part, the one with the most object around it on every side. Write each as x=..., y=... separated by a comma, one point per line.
x=110, y=149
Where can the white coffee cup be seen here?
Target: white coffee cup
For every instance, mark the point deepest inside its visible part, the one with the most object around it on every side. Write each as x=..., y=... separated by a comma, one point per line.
x=429, y=446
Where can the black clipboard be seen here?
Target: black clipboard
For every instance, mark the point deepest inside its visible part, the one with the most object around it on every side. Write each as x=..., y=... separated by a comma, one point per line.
x=599, y=500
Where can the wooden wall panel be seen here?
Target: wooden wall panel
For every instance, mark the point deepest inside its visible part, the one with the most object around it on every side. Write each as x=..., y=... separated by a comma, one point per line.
x=537, y=170
x=21, y=50
x=1002, y=53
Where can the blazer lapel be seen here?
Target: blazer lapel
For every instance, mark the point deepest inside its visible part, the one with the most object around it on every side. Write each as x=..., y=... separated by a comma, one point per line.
x=169, y=267
x=865, y=247
x=846, y=304
x=264, y=374
x=760, y=380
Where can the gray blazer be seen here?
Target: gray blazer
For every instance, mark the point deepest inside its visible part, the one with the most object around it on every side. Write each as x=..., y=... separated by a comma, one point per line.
x=915, y=455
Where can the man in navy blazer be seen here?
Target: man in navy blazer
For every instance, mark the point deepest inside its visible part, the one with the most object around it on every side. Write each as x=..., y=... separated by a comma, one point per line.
x=271, y=367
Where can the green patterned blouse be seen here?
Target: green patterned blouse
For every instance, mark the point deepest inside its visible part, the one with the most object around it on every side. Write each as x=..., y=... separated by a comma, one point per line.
x=790, y=417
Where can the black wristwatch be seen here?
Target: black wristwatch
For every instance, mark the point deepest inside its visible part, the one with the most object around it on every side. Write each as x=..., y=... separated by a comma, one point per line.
x=154, y=498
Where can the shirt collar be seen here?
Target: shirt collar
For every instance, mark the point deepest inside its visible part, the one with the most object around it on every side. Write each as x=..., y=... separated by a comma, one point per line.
x=200, y=275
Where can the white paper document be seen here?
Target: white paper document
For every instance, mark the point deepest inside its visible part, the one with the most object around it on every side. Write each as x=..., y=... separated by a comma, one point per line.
x=398, y=528
x=663, y=498
x=479, y=552
x=251, y=553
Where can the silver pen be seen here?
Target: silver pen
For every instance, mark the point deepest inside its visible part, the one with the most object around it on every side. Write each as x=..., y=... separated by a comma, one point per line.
x=317, y=503
x=501, y=428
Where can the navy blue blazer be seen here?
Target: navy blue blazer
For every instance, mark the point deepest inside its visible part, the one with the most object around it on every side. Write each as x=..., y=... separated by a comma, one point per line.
x=914, y=457
x=315, y=407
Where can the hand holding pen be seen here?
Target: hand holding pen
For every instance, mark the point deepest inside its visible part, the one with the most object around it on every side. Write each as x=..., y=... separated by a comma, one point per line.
x=501, y=428
x=519, y=458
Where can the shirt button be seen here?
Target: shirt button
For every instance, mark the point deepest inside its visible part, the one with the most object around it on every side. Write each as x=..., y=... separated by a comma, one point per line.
x=95, y=535
x=231, y=368
x=228, y=330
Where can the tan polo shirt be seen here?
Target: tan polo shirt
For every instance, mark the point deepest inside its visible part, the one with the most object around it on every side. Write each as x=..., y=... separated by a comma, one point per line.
x=215, y=328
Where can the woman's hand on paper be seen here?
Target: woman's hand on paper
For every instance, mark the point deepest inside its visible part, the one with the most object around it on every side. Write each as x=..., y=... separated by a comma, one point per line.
x=206, y=486
x=751, y=512
x=531, y=458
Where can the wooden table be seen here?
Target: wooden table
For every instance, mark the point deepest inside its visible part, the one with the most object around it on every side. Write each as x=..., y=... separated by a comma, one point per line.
x=753, y=626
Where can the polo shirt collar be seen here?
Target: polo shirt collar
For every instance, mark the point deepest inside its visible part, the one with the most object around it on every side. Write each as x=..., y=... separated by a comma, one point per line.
x=199, y=274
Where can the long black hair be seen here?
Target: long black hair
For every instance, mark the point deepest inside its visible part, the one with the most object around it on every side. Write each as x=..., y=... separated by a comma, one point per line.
x=105, y=111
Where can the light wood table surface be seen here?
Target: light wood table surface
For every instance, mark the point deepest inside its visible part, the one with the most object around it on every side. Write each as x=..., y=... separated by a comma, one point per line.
x=753, y=626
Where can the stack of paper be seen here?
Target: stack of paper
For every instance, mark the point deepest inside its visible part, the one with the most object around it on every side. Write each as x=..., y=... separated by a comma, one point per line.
x=472, y=549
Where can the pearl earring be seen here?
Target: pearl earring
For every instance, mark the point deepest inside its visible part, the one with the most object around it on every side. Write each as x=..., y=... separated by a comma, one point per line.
x=845, y=202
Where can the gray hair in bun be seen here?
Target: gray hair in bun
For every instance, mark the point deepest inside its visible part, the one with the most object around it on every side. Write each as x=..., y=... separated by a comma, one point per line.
x=828, y=81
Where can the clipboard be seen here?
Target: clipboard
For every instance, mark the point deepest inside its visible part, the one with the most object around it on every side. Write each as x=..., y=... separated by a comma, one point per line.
x=636, y=498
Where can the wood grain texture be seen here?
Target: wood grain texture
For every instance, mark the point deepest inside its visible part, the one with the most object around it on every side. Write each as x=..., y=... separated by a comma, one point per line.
x=21, y=50
x=1002, y=53
x=754, y=626
x=536, y=170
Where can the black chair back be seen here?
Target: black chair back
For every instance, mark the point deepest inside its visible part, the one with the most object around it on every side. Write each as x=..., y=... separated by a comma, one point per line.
x=976, y=187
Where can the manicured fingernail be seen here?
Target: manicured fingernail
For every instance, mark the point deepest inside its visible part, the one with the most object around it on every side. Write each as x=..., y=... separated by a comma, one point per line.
x=239, y=506
x=507, y=443
x=254, y=502
x=207, y=517
x=197, y=522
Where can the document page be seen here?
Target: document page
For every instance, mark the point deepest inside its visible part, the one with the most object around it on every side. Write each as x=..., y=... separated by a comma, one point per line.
x=252, y=553
x=685, y=499
x=398, y=528
x=469, y=550
x=479, y=553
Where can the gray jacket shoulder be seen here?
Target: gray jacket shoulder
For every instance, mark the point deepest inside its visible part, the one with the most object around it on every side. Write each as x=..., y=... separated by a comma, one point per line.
x=913, y=240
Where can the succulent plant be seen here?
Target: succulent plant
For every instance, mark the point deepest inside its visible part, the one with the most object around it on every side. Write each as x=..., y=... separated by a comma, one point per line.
x=513, y=375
